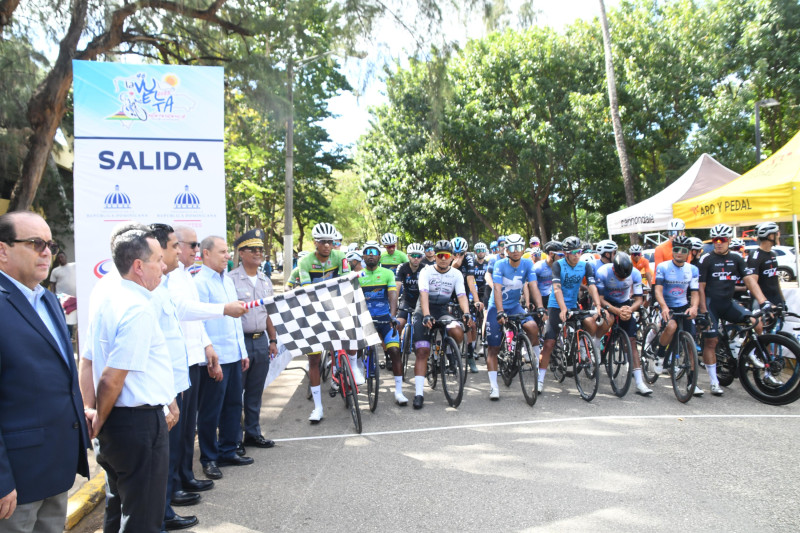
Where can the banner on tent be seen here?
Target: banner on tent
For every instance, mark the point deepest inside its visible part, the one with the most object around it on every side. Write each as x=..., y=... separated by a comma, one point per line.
x=148, y=148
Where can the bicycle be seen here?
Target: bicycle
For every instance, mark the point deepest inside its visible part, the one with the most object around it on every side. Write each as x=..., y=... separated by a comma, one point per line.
x=574, y=347
x=371, y=374
x=680, y=358
x=516, y=356
x=407, y=339
x=445, y=360
x=342, y=376
x=619, y=363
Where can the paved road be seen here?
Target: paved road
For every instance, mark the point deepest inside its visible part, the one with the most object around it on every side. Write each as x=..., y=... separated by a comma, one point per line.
x=631, y=464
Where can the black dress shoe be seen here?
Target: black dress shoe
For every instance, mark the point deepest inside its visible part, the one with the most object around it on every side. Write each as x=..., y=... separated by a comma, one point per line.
x=418, y=401
x=234, y=460
x=259, y=442
x=211, y=471
x=180, y=498
x=198, y=485
x=180, y=522
x=240, y=451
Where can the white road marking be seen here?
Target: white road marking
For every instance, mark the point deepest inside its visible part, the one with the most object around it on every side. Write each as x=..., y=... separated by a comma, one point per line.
x=525, y=423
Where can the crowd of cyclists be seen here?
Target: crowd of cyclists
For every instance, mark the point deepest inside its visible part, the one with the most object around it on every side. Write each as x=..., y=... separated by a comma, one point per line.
x=475, y=292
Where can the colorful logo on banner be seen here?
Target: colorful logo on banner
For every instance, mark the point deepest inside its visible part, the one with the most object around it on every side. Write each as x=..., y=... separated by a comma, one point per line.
x=102, y=268
x=143, y=97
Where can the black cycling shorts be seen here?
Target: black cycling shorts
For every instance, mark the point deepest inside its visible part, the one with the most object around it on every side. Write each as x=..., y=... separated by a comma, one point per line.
x=729, y=310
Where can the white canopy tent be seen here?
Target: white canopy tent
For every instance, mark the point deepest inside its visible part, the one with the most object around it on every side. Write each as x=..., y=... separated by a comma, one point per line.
x=653, y=214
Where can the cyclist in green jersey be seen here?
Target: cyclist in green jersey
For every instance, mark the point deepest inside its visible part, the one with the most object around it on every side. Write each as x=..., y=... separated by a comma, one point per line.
x=393, y=257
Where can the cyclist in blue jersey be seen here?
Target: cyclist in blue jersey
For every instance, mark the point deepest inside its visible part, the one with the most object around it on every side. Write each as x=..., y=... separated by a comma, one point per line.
x=620, y=288
x=510, y=275
x=677, y=289
x=567, y=276
x=553, y=251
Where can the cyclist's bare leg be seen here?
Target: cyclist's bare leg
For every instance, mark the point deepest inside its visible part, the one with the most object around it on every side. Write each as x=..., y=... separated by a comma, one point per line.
x=397, y=360
x=709, y=350
x=491, y=358
x=313, y=369
x=532, y=331
x=547, y=349
x=421, y=361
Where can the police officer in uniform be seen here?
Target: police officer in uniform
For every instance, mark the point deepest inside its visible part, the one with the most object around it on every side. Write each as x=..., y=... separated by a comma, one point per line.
x=259, y=333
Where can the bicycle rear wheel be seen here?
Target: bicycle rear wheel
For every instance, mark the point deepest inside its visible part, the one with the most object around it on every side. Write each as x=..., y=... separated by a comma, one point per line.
x=726, y=363
x=558, y=360
x=587, y=373
x=406, y=347
x=782, y=356
x=373, y=377
x=432, y=371
x=619, y=363
x=528, y=369
x=325, y=366
x=683, y=371
x=349, y=391
x=648, y=350
x=452, y=368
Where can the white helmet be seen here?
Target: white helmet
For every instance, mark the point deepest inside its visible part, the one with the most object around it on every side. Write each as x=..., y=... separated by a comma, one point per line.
x=388, y=239
x=514, y=239
x=324, y=231
x=353, y=255
x=415, y=248
x=765, y=229
x=352, y=246
x=736, y=242
x=534, y=241
x=721, y=230
x=635, y=249
x=339, y=236
x=676, y=224
x=606, y=246
x=697, y=244
x=587, y=258
x=370, y=244
x=480, y=247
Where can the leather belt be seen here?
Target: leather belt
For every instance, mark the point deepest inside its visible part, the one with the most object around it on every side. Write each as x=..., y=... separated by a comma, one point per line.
x=254, y=335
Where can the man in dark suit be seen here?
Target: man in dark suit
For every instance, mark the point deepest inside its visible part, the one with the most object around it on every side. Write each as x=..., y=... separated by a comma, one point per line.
x=43, y=431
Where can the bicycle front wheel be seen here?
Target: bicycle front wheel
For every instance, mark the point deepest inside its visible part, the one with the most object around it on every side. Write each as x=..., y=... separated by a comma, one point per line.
x=528, y=369
x=781, y=355
x=325, y=365
x=619, y=362
x=373, y=377
x=648, y=350
x=587, y=374
x=683, y=368
x=349, y=391
x=558, y=360
x=406, y=347
x=452, y=368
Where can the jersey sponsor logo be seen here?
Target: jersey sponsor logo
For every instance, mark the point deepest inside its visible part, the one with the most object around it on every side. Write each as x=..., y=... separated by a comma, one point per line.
x=725, y=276
x=572, y=279
x=770, y=272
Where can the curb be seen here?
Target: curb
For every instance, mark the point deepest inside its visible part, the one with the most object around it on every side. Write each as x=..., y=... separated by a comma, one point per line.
x=85, y=500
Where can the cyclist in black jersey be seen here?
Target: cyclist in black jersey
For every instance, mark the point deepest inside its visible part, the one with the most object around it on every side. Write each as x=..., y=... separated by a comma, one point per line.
x=406, y=279
x=466, y=264
x=430, y=254
x=481, y=267
x=719, y=272
x=697, y=251
x=764, y=263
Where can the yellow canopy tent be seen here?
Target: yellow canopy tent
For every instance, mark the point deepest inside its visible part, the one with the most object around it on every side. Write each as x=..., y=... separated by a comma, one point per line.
x=767, y=192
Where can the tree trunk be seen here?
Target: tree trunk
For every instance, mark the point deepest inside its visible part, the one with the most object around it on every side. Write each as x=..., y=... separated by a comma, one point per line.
x=45, y=111
x=7, y=8
x=540, y=222
x=624, y=163
x=485, y=221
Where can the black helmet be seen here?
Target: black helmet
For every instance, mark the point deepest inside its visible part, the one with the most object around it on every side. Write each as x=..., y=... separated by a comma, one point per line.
x=682, y=241
x=427, y=244
x=572, y=243
x=622, y=265
x=553, y=246
x=443, y=246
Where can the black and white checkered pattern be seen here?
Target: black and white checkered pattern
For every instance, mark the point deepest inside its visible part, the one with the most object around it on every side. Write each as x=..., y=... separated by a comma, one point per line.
x=329, y=315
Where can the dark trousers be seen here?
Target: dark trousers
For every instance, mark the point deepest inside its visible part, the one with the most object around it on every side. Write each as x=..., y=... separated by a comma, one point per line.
x=253, y=382
x=188, y=424
x=173, y=483
x=220, y=406
x=134, y=451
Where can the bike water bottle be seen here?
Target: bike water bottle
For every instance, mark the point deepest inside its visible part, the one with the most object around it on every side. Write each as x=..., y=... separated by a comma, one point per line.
x=510, y=339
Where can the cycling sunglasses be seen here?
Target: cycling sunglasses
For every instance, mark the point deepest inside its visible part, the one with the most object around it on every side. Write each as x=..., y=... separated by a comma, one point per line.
x=680, y=250
x=559, y=254
x=637, y=254
x=515, y=248
x=575, y=252
x=372, y=251
x=415, y=256
x=443, y=255
x=718, y=240
x=430, y=249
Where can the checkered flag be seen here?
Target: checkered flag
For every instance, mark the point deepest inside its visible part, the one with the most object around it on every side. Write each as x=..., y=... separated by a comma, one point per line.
x=329, y=315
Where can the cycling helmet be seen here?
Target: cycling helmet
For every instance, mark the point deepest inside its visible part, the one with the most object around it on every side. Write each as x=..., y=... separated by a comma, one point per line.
x=480, y=247
x=587, y=258
x=534, y=241
x=324, y=231
x=427, y=244
x=676, y=224
x=370, y=244
x=354, y=255
x=553, y=246
x=606, y=246
x=339, y=236
x=415, y=248
x=493, y=245
x=389, y=239
x=682, y=241
x=571, y=243
x=586, y=247
x=736, y=243
x=721, y=230
x=622, y=265
x=460, y=245
x=765, y=229
x=697, y=244
x=352, y=246
x=515, y=239
x=635, y=249
x=302, y=254
x=501, y=240
x=443, y=246
x=536, y=251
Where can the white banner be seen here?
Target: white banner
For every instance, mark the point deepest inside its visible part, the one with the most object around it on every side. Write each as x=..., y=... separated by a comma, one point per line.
x=149, y=147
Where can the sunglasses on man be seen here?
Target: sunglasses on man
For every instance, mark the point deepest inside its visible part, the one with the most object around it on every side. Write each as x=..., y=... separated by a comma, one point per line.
x=443, y=255
x=372, y=251
x=575, y=252
x=193, y=244
x=515, y=248
x=40, y=244
x=415, y=256
x=679, y=250
x=719, y=240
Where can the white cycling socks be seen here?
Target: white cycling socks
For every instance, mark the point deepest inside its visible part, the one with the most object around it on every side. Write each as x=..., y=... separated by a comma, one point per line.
x=419, y=382
x=398, y=384
x=493, y=378
x=316, y=394
x=542, y=372
x=712, y=374
x=637, y=375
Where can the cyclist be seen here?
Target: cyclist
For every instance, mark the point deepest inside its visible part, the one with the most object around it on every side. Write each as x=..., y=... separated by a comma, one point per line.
x=355, y=259
x=406, y=280
x=494, y=248
x=325, y=263
x=380, y=292
x=393, y=257
x=764, y=263
x=617, y=283
x=641, y=264
x=294, y=275
x=481, y=267
x=567, y=275
x=509, y=276
x=677, y=289
x=607, y=250
x=466, y=264
x=719, y=272
x=663, y=251
x=697, y=251
x=544, y=269
x=337, y=242
x=430, y=255
x=437, y=283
